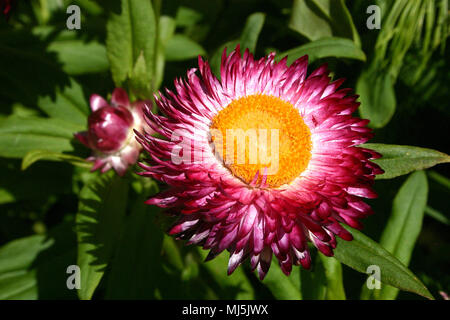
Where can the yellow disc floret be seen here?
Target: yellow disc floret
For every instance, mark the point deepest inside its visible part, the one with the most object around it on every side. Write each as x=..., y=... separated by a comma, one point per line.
x=262, y=133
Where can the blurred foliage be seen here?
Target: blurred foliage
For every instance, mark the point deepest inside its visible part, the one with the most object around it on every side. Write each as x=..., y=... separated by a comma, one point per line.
x=55, y=213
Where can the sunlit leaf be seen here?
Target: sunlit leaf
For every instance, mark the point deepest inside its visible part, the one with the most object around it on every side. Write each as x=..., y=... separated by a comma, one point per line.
x=398, y=160
x=68, y=104
x=128, y=34
x=35, y=267
x=362, y=252
x=80, y=57
x=99, y=223
x=318, y=19
x=18, y=136
x=36, y=155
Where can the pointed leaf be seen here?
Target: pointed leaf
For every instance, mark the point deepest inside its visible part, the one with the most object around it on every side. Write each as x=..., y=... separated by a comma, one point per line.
x=180, y=47
x=404, y=225
x=36, y=155
x=252, y=29
x=398, y=160
x=128, y=34
x=323, y=48
x=68, y=104
x=18, y=136
x=362, y=252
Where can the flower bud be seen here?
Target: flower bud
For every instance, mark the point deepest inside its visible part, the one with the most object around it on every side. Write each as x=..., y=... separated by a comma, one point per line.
x=110, y=131
x=109, y=128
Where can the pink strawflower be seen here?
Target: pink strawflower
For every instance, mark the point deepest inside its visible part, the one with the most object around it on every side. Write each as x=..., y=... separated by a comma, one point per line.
x=110, y=131
x=243, y=206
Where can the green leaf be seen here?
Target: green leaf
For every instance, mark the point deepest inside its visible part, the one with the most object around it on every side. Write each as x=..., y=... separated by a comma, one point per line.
x=437, y=215
x=398, y=160
x=138, y=80
x=248, y=39
x=179, y=47
x=404, y=225
x=187, y=17
x=237, y=283
x=18, y=136
x=324, y=280
x=34, y=267
x=362, y=252
x=252, y=29
x=166, y=29
x=283, y=287
x=68, y=104
x=36, y=155
x=333, y=275
x=128, y=34
x=317, y=19
x=136, y=269
x=377, y=95
x=440, y=179
x=79, y=57
x=323, y=48
x=99, y=222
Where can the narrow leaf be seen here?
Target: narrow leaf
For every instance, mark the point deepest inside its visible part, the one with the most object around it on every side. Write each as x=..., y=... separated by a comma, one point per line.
x=283, y=287
x=398, y=160
x=323, y=48
x=179, y=47
x=437, y=215
x=238, y=280
x=404, y=224
x=36, y=155
x=362, y=252
x=252, y=29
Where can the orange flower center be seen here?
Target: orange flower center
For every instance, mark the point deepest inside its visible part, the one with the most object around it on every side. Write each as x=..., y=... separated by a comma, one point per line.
x=262, y=133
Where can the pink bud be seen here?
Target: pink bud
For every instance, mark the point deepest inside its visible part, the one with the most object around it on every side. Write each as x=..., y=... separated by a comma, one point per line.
x=110, y=131
x=109, y=128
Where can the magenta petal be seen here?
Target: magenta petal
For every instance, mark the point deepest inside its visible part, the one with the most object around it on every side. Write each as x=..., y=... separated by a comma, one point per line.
x=120, y=98
x=97, y=102
x=82, y=137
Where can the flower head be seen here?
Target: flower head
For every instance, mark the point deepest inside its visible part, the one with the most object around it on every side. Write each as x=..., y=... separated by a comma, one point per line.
x=110, y=131
x=262, y=161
